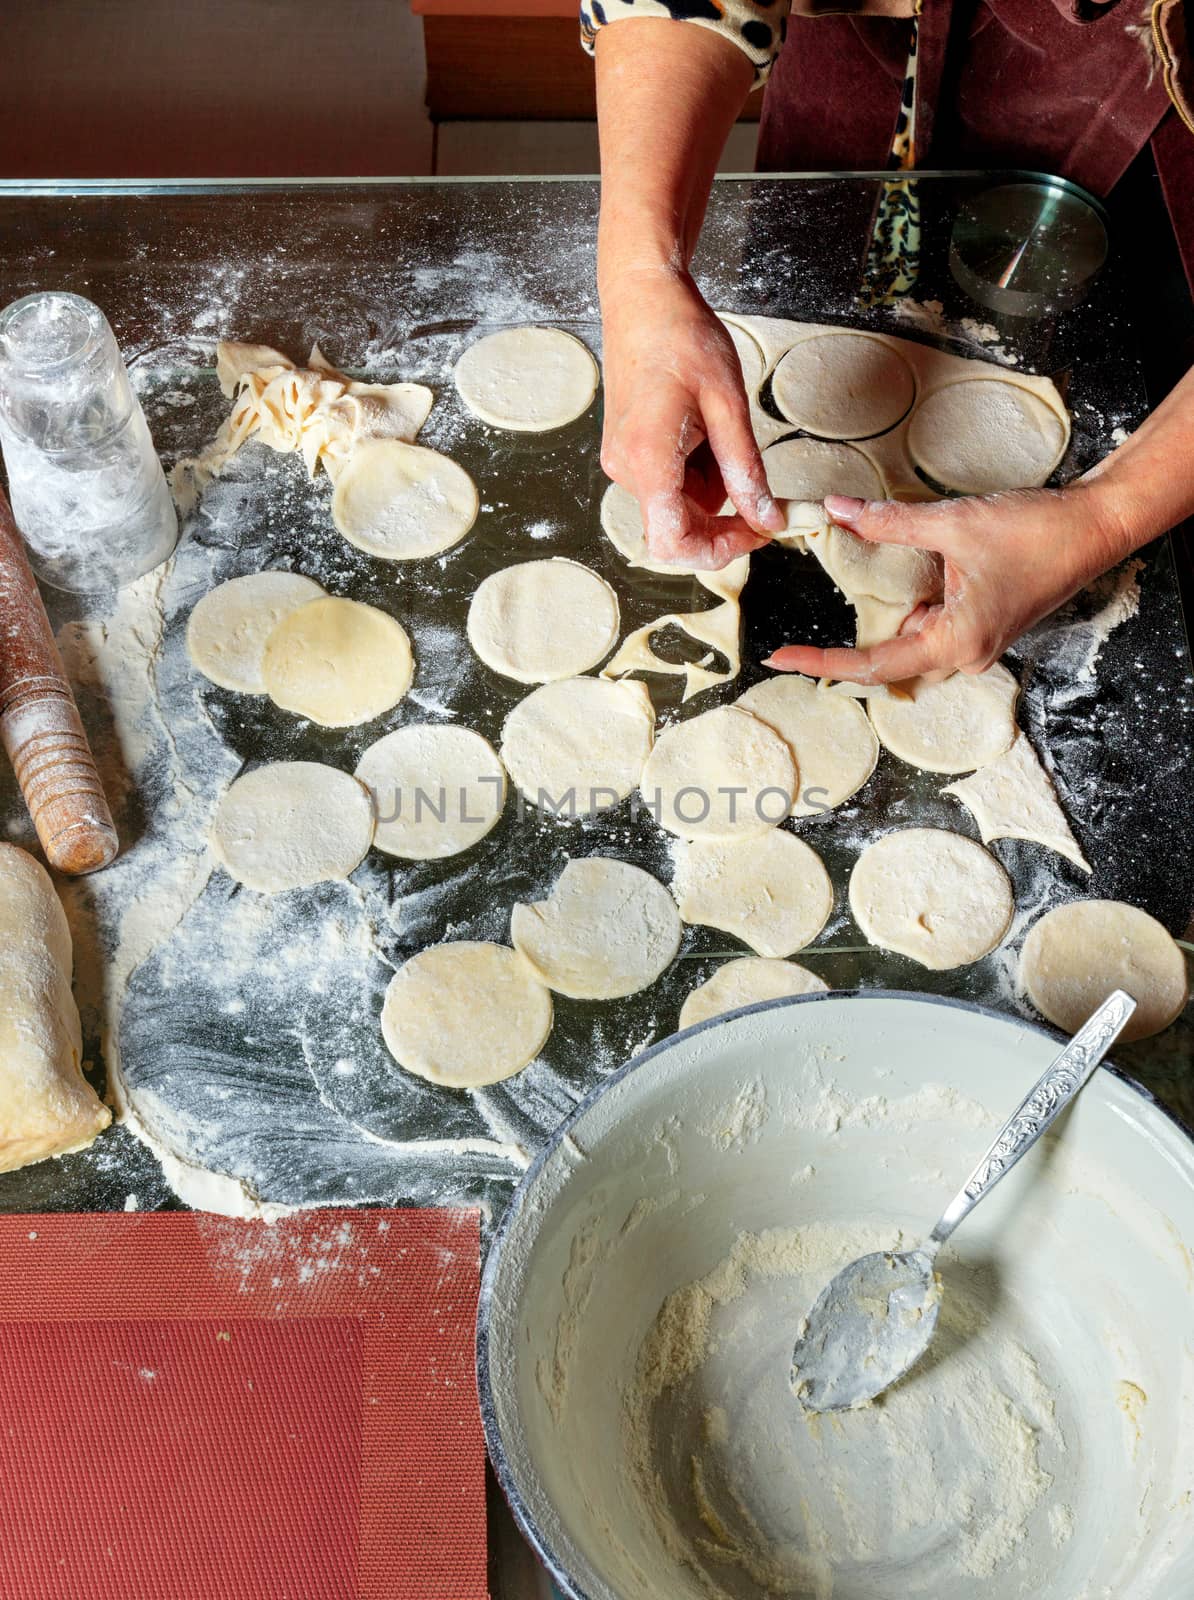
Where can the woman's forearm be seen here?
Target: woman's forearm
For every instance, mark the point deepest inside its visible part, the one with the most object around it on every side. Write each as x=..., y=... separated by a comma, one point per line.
x=1147, y=485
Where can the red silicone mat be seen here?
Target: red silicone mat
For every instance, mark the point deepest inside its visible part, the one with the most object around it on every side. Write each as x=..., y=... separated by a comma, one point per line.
x=195, y=1406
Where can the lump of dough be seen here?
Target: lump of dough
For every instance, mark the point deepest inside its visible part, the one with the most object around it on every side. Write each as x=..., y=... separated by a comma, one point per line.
x=529, y=380
x=744, y=982
x=337, y=662
x=47, y=1107
x=401, y=501
x=1078, y=953
x=932, y=895
x=723, y=774
x=843, y=385
x=980, y=435
x=465, y=1014
x=437, y=789
x=898, y=575
x=606, y=930
x=830, y=736
x=578, y=746
x=961, y=723
x=291, y=824
x=543, y=620
x=773, y=893
x=227, y=630
x=1013, y=798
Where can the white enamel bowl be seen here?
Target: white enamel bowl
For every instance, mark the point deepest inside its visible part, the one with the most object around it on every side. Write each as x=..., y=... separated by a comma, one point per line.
x=813, y=1115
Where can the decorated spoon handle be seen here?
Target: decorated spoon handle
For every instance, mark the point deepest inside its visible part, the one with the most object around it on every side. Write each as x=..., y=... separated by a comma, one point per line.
x=1044, y=1103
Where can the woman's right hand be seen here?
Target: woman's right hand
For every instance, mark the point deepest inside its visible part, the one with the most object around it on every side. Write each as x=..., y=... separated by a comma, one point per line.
x=677, y=424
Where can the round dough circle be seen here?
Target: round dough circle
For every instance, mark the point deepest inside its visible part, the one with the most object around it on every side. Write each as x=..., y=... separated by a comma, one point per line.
x=809, y=469
x=606, y=930
x=1078, y=953
x=772, y=893
x=292, y=824
x=543, y=620
x=829, y=734
x=719, y=750
x=436, y=790
x=529, y=380
x=622, y=523
x=953, y=726
x=465, y=1014
x=932, y=895
x=401, y=501
x=843, y=385
x=744, y=982
x=587, y=736
x=337, y=662
x=227, y=630
x=985, y=434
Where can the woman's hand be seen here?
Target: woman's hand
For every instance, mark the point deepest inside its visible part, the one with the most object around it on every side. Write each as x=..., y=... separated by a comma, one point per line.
x=677, y=424
x=1009, y=558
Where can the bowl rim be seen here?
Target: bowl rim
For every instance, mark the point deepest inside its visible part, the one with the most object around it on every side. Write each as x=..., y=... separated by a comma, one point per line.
x=503, y=1471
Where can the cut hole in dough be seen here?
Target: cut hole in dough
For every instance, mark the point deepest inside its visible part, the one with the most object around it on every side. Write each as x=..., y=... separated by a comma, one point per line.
x=986, y=434
x=465, y=1014
x=606, y=930
x=1014, y=798
x=227, y=630
x=932, y=895
x=843, y=385
x=291, y=824
x=1078, y=953
x=578, y=746
x=773, y=893
x=403, y=502
x=436, y=790
x=529, y=380
x=830, y=736
x=956, y=725
x=543, y=620
x=722, y=774
x=337, y=662
x=745, y=982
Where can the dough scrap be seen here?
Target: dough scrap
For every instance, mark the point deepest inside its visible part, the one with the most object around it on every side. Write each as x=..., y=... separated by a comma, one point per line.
x=744, y=982
x=961, y=723
x=1013, y=797
x=694, y=763
x=898, y=575
x=586, y=737
x=436, y=789
x=465, y=1014
x=936, y=896
x=543, y=620
x=773, y=892
x=843, y=385
x=47, y=1107
x=403, y=502
x=830, y=736
x=1076, y=954
x=607, y=929
x=529, y=380
x=337, y=662
x=291, y=824
x=981, y=435
x=227, y=630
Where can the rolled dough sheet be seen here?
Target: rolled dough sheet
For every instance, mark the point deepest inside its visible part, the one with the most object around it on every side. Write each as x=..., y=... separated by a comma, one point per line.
x=606, y=930
x=584, y=738
x=337, y=662
x=830, y=736
x=961, y=723
x=722, y=774
x=436, y=790
x=529, y=380
x=402, y=502
x=543, y=620
x=228, y=628
x=1013, y=798
x=932, y=895
x=465, y=1014
x=291, y=824
x=773, y=892
x=1076, y=954
x=745, y=982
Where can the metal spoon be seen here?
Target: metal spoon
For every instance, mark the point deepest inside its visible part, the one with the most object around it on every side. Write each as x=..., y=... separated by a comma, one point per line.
x=875, y=1319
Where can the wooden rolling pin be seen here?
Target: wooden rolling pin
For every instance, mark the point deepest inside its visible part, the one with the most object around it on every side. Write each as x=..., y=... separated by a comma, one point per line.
x=40, y=726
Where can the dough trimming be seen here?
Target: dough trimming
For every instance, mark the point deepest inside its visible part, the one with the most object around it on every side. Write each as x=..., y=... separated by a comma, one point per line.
x=1013, y=798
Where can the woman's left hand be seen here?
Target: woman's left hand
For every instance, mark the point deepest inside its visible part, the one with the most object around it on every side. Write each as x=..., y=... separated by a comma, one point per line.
x=1009, y=559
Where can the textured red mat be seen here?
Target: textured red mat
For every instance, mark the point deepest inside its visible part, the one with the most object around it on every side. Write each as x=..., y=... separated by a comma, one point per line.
x=194, y=1406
